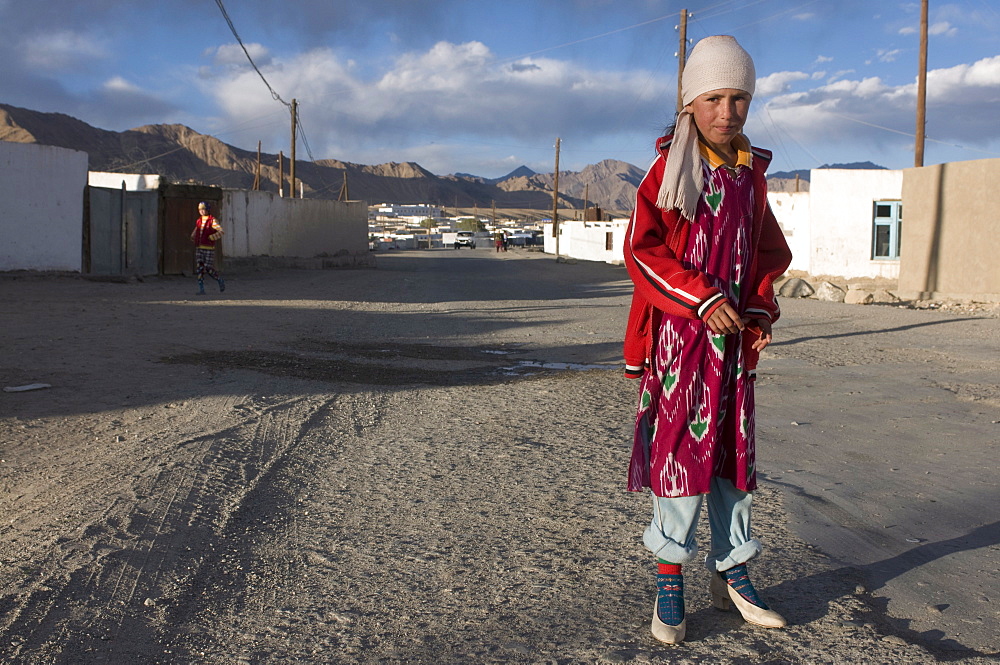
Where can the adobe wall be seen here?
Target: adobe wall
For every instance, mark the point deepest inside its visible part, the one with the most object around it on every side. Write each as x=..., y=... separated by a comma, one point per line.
x=951, y=231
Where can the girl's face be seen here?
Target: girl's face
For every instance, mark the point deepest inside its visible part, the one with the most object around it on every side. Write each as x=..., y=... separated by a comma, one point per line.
x=720, y=115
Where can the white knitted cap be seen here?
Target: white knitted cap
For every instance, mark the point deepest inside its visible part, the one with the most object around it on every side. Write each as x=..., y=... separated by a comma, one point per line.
x=717, y=62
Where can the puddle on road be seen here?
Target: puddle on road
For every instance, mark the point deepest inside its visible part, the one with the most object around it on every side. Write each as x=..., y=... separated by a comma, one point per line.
x=525, y=367
x=387, y=365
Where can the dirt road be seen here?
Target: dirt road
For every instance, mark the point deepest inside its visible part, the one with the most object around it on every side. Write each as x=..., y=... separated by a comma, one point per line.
x=425, y=463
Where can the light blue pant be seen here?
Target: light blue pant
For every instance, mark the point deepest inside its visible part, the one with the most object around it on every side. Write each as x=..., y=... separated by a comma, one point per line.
x=670, y=536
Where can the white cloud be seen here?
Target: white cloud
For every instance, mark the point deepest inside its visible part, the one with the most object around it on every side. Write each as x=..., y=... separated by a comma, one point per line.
x=450, y=90
x=778, y=82
x=942, y=28
x=233, y=55
x=63, y=49
x=886, y=55
x=848, y=110
x=118, y=84
x=980, y=80
x=822, y=59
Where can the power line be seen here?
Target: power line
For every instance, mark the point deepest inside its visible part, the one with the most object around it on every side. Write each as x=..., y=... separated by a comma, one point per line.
x=908, y=134
x=302, y=133
x=298, y=119
x=232, y=28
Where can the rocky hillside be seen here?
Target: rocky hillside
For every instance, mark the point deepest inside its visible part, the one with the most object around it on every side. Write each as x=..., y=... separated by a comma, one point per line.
x=183, y=155
x=610, y=184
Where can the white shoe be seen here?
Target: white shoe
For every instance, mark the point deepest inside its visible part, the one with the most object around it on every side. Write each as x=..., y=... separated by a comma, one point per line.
x=725, y=596
x=667, y=633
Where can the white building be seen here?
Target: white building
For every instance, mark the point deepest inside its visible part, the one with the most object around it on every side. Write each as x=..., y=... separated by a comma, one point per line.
x=415, y=213
x=133, y=182
x=847, y=225
x=854, y=222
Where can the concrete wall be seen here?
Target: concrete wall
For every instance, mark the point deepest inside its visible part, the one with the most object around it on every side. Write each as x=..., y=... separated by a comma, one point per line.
x=791, y=209
x=41, y=207
x=951, y=231
x=840, y=219
x=265, y=224
x=588, y=240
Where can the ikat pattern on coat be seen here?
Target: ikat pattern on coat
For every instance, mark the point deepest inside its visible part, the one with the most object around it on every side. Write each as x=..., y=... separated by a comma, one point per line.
x=695, y=416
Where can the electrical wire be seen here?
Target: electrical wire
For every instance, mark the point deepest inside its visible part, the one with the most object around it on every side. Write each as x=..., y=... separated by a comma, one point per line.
x=274, y=94
x=232, y=29
x=121, y=169
x=898, y=131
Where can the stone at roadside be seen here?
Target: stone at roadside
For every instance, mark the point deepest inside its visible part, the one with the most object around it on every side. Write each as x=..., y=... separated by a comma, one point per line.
x=829, y=292
x=859, y=297
x=882, y=295
x=796, y=288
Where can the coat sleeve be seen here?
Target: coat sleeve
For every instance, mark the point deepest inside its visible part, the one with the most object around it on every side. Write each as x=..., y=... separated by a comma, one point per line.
x=773, y=258
x=218, y=230
x=652, y=243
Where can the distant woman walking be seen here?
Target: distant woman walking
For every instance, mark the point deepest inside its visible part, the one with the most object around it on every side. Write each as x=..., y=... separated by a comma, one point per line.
x=207, y=231
x=703, y=249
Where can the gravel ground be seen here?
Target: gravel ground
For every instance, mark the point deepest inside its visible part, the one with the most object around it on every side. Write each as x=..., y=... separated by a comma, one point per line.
x=426, y=462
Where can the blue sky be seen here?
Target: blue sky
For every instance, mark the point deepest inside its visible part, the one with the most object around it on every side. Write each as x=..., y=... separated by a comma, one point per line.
x=483, y=86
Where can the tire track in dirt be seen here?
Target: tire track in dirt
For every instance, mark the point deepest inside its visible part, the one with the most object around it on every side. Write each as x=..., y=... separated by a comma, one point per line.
x=248, y=596
x=128, y=563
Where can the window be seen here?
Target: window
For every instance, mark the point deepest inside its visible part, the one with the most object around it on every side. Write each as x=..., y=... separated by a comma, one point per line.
x=887, y=222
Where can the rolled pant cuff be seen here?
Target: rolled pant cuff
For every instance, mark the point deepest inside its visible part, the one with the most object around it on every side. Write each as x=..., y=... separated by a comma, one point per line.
x=720, y=560
x=668, y=549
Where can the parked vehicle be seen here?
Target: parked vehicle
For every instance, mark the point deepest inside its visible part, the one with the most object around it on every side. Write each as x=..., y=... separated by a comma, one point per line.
x=465, y=239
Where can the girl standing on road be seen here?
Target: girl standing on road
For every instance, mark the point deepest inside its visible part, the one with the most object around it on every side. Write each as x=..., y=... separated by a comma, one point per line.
x=703, y=249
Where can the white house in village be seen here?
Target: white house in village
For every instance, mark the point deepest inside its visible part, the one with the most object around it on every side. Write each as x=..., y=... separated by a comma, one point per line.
x=854, y=222
x=416, y=212
x=848, y=225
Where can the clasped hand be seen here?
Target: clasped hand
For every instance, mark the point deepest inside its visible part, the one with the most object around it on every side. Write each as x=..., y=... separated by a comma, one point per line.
x=726, y=321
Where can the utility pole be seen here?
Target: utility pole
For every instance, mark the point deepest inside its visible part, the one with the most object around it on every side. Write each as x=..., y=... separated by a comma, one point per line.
x=555, y=201
x=918, y=157
x=682, y=57
x=256, y=173
x=281, y=173
x=494, y=215
x=586, y=200
x=344, y=193
x=291, y=164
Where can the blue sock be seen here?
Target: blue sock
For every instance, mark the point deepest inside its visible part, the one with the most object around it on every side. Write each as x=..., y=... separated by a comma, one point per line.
x=738, y=578
x=670, y=598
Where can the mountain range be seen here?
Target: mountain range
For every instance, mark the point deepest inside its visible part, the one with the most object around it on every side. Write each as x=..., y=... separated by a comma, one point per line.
x=182, y=155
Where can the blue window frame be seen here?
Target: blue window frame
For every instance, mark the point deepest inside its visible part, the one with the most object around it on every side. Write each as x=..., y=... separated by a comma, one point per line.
x=887, y=222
